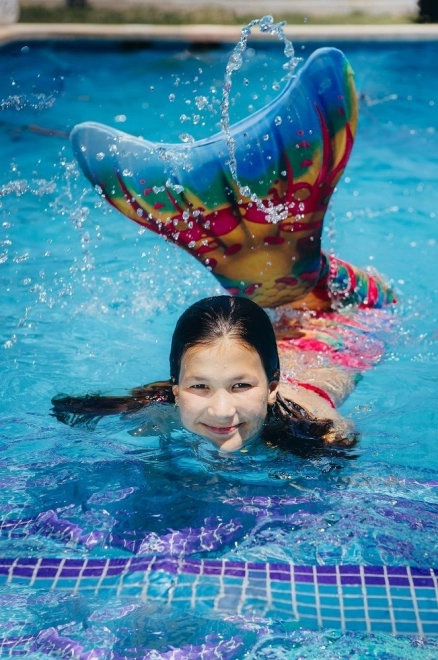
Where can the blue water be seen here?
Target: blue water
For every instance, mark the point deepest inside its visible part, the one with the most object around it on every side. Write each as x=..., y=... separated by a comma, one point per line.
x=89, y=302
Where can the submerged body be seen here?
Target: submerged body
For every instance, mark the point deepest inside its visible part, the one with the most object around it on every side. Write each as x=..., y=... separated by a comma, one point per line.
x=234, y=376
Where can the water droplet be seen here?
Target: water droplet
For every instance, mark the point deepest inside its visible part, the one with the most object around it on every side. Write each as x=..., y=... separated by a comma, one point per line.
x=186, y=137
x=278, y=120
x=201, y=102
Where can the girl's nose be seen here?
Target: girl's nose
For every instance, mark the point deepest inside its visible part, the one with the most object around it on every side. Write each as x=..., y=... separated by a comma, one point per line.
x=221, y=405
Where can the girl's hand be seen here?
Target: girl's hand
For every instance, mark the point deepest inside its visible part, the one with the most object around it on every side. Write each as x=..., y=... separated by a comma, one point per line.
x=342, y=433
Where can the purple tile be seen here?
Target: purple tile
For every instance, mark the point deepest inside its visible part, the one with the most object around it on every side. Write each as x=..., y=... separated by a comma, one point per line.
x=352, y=579
x=398, y=581
x=212, y=570
x=96, y=563
x=423, y=582
x=112, y=571
x=239, y=564
x=326, y=569
x=168, y=565
x=374, y=570
x=191, y=568
x=349, y=569
x=140, y=564
x=47, y=561
x=304, y=578
x=24, y=571
x=374, y=580
x=279, y=567
x=303, y=569
x=396, y=570
x=32, y=561
x=47, y=572
x=234, y=571
x=92, y=572
x=74, y=563
x=327, y=579
x=121, y=563
x=67, y=573
x=281, y=577
x=421, y=571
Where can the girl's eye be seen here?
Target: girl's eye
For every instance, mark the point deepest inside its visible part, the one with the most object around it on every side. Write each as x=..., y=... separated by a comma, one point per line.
x=198, y=386
x=241, y=386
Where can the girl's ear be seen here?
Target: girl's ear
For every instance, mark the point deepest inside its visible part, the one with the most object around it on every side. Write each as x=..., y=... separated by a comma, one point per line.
x=273, y=389
x=175, y=390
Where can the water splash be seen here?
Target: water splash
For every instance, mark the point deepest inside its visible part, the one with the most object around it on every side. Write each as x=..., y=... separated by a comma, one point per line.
x=20, y=102
x=275, y=213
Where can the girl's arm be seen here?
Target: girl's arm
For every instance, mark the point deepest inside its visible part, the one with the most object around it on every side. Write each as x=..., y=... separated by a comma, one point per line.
x=320, y=391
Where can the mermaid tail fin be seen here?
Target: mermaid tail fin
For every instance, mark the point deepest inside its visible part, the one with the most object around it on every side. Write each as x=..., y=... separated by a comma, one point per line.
x=290, y=155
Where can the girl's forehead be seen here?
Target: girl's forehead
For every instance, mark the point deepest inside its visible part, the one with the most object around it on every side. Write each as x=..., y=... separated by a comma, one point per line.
x=222, y=345
x=223, y=355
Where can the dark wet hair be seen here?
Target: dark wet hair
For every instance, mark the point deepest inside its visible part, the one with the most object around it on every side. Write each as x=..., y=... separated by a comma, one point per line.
x=211, y=319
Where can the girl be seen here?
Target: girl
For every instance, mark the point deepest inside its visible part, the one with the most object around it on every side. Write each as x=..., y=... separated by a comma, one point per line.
x=260, y=235
x=226, y=383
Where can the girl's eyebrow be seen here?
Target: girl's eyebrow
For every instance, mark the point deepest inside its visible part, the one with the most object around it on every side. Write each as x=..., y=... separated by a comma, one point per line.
x=239, y=377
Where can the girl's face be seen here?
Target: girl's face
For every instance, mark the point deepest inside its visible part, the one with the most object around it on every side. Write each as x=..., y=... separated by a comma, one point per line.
x=223, y=393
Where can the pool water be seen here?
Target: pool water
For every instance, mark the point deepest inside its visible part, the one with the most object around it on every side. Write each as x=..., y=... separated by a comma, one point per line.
x=89, y=302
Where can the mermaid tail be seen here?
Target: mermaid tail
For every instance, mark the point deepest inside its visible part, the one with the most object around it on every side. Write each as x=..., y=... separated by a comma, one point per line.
x=262, y=240
x=341, y=284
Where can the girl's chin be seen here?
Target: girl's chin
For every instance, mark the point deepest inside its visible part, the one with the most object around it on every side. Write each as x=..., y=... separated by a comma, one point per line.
x=223, y=441
x=231, y=443
x=225, y=444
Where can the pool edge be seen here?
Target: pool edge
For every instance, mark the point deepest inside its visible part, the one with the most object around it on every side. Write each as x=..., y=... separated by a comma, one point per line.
x=214, y=33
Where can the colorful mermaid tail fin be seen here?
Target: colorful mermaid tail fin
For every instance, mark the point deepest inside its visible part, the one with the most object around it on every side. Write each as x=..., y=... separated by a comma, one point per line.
x=290, y=153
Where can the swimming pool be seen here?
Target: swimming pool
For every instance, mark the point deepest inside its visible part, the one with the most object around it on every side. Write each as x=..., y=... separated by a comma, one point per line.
x=89, y=303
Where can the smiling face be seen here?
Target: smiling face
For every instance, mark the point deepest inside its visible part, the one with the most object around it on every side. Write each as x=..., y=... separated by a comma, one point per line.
x=223, y=393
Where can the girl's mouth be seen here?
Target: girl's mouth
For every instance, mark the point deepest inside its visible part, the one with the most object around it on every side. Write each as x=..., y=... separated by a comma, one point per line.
x=222, y=430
